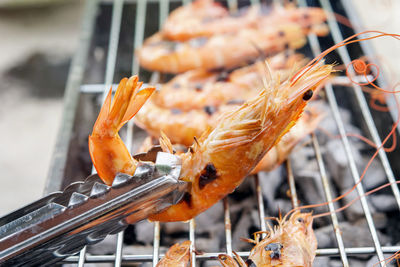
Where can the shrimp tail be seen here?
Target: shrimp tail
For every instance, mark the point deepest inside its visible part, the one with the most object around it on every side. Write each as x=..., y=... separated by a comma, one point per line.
x=109, y=154
x=127, y=102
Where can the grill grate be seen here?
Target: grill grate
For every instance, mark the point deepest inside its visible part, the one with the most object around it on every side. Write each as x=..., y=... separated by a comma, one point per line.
x=75, y=88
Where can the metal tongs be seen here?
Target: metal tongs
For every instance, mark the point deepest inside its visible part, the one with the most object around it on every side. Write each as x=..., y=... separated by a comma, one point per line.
x=62, y=223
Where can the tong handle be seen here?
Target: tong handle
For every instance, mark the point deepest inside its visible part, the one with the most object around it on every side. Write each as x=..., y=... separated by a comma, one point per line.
x=62, y=223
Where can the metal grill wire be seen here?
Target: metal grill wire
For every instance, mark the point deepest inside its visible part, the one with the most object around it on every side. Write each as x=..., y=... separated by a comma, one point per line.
x=341, y=250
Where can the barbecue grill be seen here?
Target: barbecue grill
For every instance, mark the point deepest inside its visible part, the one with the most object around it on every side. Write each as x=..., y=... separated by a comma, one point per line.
x=115, y=29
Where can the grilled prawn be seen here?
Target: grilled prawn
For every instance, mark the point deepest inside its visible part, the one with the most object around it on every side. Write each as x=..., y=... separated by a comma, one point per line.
x=177, y=256
x=205, y=18
x=219, y=161
x=241, y=138
x=291, y=243
x=306, y=124
x=197, y=89
x=215, y=52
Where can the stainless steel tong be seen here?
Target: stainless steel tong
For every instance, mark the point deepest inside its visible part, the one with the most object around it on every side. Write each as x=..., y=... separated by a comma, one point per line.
x=61, y=224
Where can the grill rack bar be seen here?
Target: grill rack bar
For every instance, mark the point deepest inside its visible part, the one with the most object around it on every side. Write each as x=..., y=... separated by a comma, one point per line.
x=119, y=257
x=214, y=255
x=327, y=191
x=337, y=37
x=109, y=76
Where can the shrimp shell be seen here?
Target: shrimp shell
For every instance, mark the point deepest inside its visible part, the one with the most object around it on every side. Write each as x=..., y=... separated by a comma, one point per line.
x=205, y=18
x=241, y=138
x=291, y=243
x=177, y=256
x=199, y=88
x=306, y=124
x=159, y=54
x=293, y=239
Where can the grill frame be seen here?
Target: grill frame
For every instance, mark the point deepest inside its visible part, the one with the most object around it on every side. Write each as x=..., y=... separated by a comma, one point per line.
x=75, y=87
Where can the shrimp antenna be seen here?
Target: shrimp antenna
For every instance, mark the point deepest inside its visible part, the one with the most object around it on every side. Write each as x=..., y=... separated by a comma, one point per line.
x=261, y=52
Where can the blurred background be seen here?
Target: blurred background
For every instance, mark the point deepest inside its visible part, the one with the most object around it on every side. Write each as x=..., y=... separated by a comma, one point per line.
x=38, y=39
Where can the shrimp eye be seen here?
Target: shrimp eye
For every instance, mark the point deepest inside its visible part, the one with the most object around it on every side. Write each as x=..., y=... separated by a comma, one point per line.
x=300, y=220
x=250, y=263
x=222, y=257
x=307, y=95
x=276, y=250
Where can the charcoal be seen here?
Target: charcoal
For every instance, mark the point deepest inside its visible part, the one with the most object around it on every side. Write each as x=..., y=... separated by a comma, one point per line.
x=375, y=175
x=356, y=263
x=324, y=237
x=311, y=184
x=337, y=163
x=282, y=205
x=384, y=203
x=355, y=210
x=207, y=244
x=211, y=216
x=105, y=247
x=211, y=263
x=321, y=262
x=328, y=123
x=215, y=236
x=384, y=239
x=241, y=230
x=237, y=209
x=374, y=261
x=335, y=263
x=144, y=231
x=173, y=228
x=353, y=235
x=303, y=160
x=269, y=182
x=380, y=220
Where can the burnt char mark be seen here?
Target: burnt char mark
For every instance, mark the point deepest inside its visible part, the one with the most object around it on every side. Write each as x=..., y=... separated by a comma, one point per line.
x=187, y=197
x=176, y=86
x=235, y=102
x=210, y=110
x=250, y=263
x=276, y=250
x=208, y=175
x=198, y=42
x=176, y=111
x=198, y=87
x=223, y=76
x=287, y=46
x=169, y=45
x=307, y=95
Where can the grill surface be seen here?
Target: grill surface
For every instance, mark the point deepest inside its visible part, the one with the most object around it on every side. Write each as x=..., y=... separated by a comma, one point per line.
x=75, y=90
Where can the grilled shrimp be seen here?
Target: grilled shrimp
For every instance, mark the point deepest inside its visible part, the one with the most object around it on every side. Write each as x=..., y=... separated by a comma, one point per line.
x=212, y=53
x=197, y=89
x=109, y=154
x=241, y=138
x=205, y=18
x=277, y=154
x=291, y=243
x=177, y=256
